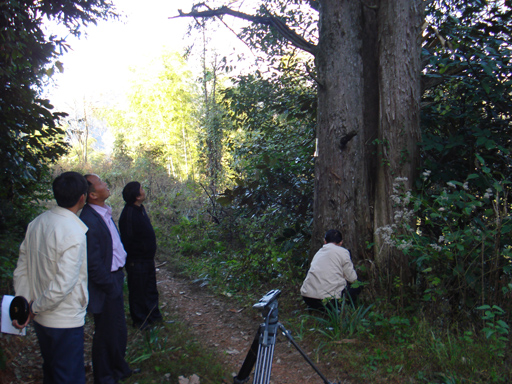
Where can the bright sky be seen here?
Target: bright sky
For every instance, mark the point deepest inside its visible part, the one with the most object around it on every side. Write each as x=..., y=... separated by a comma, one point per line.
x=98, y=66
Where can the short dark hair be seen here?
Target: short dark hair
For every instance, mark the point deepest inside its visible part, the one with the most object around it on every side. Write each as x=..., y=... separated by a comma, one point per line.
x=333, y=236
x=131, y=191
x=90, y=187
x=68, y=187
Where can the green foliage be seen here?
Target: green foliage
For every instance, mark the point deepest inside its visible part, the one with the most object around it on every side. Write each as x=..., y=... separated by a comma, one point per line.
x=343, y=320
x=458, y=240
x=160, y=119
x=273, y=177
x=394, y=328
x=396, y=348
x=30, y=138
x=168, y=351
x=468, y=97
x=211, y=144
x=9, y=249
x=460, y=357
x=212, y=124
x=495, y=330
x=15, y=214
x=456, y=236
x=272, y=199
x=200, y=249
x=297, y=15
x=156, y=341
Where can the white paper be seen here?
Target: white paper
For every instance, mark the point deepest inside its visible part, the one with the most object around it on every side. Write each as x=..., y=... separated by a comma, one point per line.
x=6, y=318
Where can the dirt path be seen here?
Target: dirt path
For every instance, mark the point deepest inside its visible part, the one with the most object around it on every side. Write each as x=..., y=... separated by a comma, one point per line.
x=216, y=321
x=219, y=323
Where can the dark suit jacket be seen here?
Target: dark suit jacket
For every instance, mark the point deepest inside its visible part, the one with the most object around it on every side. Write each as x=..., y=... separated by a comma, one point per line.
x=99, y=260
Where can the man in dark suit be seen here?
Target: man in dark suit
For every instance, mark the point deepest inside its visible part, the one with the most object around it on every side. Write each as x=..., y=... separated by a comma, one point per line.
x=105, y=258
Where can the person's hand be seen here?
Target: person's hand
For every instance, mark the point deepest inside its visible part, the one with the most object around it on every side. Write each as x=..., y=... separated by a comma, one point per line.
x=15, y=323
x=20, y=327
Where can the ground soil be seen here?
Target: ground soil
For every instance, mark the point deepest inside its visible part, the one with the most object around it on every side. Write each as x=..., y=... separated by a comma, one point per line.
x=217, y=321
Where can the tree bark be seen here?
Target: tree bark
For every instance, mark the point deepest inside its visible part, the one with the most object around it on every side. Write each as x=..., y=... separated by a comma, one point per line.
x=368, y=62
x=347, y=124
x=399, y=108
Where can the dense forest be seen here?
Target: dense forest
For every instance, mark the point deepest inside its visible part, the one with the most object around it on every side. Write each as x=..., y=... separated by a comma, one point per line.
x=388, y=120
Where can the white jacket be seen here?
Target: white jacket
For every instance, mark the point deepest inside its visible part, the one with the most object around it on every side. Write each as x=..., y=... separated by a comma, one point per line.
x=328, y=274
x=52, y=269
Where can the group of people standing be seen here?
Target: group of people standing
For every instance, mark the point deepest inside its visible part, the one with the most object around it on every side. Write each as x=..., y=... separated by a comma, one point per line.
x=69, y=265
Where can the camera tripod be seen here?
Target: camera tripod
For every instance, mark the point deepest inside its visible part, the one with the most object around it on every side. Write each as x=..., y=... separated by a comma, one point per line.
x=261, y=352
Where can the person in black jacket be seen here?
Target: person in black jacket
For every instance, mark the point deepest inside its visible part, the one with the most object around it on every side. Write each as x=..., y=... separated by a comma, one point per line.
x=139, y=241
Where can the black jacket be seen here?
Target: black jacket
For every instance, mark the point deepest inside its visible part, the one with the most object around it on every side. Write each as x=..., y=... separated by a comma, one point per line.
x=137, y=233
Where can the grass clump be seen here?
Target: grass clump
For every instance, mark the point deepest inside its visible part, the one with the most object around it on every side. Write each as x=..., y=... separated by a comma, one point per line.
x=170, y=350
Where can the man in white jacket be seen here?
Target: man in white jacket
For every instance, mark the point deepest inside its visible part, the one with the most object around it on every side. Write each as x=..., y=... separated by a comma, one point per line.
x=52, y=275
x=328, y=274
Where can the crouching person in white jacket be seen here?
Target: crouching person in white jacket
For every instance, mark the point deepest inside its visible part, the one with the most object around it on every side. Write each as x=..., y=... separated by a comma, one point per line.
x=330, y=271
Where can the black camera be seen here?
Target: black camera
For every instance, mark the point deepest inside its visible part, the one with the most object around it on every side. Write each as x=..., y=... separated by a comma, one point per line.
x=19, y=310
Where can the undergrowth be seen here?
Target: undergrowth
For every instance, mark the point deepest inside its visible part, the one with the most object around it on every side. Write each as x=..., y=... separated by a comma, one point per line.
x=166, y=352
x=379, y=347
x=372, y=341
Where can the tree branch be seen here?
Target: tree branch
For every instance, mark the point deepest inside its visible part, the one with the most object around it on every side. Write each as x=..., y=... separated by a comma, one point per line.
x=290, y=35
x=429, y=82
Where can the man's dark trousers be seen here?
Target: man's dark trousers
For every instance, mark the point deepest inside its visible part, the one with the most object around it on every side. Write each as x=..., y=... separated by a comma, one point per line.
x=110, y=338
x=62, y=350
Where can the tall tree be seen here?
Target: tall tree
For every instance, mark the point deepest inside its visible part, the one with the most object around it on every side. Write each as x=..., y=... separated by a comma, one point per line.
x=161, y=115
x=30, y=137
x=368, y=77
x=211, y=122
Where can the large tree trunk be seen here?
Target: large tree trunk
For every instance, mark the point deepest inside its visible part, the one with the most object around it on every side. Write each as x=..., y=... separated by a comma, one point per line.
x=399, y=132
x=368, y=64
x=347, y=124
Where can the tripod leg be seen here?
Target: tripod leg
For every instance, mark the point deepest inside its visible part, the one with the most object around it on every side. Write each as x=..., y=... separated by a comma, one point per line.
x=264, y=362
x=290, y=338
x=250, y=359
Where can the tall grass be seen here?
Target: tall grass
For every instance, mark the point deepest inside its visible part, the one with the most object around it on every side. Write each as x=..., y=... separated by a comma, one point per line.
x=342, y=320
